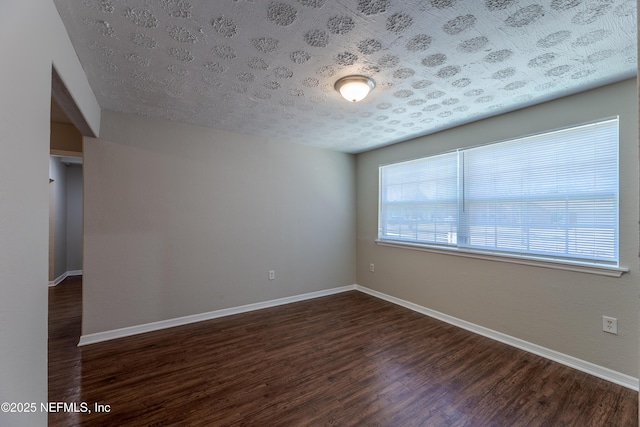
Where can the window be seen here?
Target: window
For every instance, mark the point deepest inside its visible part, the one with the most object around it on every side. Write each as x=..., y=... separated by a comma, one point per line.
x=551, y=196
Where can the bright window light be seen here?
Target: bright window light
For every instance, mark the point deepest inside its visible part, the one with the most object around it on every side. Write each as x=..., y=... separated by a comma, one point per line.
x=551, y=195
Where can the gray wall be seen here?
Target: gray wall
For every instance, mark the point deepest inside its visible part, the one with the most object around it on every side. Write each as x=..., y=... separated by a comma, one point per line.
x=31, y=38
x=556, y=309
x=74, y=217
x=67, y=209
x=58, y=172
x=181, y=220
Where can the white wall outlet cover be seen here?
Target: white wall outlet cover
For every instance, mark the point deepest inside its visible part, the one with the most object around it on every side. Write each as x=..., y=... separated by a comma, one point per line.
x=610, y=324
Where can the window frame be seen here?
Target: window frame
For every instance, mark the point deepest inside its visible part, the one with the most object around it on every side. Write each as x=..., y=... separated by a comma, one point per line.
x=607, y=268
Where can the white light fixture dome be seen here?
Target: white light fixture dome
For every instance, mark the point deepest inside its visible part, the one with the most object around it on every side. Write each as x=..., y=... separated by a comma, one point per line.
x=354, y=88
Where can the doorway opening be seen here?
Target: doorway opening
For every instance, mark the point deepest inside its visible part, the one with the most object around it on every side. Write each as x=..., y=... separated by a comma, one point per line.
x=66, y=170
x=65, y=198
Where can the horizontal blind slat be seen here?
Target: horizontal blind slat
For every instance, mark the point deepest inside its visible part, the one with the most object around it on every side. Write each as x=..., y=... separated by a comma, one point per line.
x=553, y=194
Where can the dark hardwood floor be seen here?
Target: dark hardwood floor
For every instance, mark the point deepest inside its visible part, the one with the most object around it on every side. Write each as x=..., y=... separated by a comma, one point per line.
x=343, y=360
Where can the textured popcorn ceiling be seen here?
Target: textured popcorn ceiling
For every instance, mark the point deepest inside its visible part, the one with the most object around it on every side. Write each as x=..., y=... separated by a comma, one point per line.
x=267, y=68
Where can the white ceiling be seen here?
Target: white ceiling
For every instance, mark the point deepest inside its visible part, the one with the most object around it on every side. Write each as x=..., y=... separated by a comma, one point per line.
x=267, y=68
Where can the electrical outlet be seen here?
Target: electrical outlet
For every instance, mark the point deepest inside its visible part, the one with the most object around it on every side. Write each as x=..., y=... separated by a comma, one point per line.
x=610, y=325
x=372, y=267
x=272, y=274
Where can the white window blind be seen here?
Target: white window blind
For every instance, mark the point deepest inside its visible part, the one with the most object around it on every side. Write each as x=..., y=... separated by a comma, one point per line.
x=419, y=200
x=552, y=195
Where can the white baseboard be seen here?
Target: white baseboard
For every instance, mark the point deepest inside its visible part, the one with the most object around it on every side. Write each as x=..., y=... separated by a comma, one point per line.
x=57, y=280
x=179, y=321
x=573, y=362
x=64, y=275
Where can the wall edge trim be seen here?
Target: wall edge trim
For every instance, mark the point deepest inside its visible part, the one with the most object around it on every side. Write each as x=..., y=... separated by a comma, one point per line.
x=63, y=276
x=57, y=280
x=564, y=359
x=87, y=339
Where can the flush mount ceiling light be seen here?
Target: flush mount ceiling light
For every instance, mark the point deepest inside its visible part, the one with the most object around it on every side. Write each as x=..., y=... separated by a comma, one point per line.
x=354, y=88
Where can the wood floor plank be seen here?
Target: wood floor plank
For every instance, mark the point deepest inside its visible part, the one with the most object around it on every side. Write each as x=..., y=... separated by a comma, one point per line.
x=343, y=360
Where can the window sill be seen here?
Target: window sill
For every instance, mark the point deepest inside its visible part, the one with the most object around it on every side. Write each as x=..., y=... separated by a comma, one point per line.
x=602, y=270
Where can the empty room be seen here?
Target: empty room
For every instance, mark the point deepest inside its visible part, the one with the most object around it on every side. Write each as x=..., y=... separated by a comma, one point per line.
x=315, y=212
